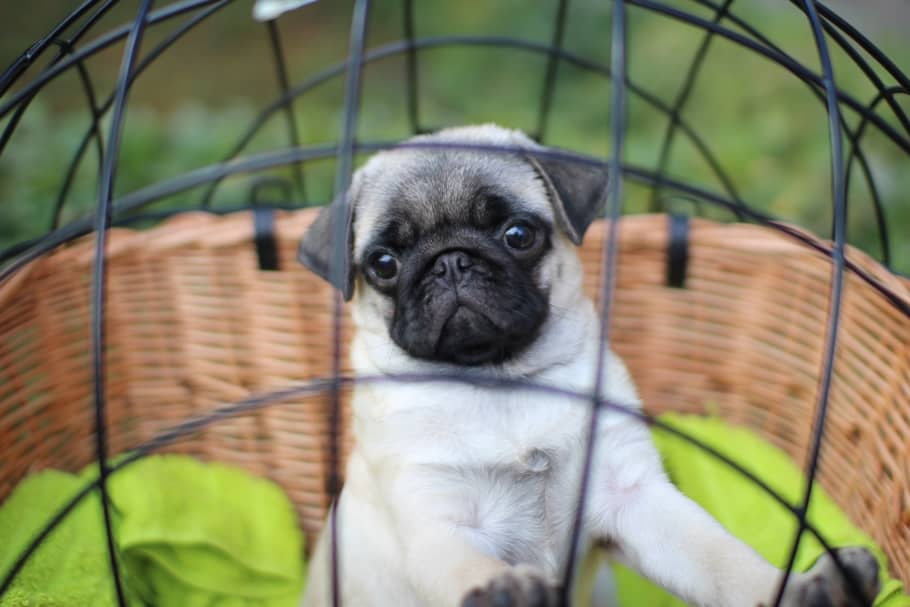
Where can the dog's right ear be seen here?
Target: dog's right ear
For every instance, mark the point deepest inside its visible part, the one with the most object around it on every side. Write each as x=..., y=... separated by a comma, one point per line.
x=315, y=251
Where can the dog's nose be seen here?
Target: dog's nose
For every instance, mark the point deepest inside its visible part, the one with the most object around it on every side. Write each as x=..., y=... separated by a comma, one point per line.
x=452, y=264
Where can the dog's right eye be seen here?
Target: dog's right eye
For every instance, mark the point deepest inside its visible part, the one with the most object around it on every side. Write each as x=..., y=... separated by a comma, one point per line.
x=383, y=265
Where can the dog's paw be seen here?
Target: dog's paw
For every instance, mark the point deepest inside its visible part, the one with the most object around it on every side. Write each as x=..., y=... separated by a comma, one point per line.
x=522, y=586
x=825, y=586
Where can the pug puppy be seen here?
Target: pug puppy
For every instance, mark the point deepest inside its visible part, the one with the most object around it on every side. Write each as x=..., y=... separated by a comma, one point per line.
x=464, y=261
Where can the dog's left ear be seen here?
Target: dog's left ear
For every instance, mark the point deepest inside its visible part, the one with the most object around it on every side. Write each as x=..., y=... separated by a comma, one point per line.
x=315, y=251
x=577, y=191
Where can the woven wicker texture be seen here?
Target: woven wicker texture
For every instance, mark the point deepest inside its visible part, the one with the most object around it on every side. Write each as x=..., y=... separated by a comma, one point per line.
x=192, y=324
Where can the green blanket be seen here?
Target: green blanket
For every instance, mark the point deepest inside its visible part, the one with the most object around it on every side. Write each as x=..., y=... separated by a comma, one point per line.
x=70, y=568
x=744, y=509
x=188, y=535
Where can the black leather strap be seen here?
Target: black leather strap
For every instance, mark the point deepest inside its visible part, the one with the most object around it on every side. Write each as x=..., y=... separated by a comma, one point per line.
x=266, y=246
x=678, y=251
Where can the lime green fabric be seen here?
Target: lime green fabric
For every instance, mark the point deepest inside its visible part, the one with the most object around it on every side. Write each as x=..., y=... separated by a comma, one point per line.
x=71, y=567
x=743, y=508
x=188, y=535
x=208, y=534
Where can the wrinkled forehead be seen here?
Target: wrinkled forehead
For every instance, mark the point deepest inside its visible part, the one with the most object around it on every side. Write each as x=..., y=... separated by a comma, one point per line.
x=426, y=189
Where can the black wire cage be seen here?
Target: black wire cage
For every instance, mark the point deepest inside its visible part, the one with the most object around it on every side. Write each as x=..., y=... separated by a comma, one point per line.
x=577, y=48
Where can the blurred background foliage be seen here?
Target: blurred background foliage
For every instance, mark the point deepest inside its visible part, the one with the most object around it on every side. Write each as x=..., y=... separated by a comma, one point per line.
x=190, y=107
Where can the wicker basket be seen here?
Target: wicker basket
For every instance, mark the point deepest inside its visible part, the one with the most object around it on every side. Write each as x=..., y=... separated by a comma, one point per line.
x=193, y=323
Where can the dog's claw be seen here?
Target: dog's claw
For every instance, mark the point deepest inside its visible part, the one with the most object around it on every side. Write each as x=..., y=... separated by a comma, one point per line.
x=824, y=586
x=520, y=587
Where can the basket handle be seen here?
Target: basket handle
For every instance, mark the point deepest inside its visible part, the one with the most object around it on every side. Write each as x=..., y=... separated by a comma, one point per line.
x=677, y=251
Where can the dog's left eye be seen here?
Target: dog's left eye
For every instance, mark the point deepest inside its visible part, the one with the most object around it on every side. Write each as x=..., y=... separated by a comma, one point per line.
x=383, y=265
x=519, y=236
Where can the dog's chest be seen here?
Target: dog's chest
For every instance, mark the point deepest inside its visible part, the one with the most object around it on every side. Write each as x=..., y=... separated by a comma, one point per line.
x=516, y=433
x=506, y=461
x=510, y=504
x=519, y=487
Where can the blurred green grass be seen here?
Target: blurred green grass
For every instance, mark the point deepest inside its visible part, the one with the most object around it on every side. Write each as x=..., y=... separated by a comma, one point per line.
x=766, y=128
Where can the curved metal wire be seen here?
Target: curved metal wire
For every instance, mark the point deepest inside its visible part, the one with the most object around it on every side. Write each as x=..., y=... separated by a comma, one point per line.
x=853, y=136
x=94, y=132
x=169, y=12
x=681, y=98
x=837, y=286
x=340, y=212
x=860, y=62
x=16, y=69
x=101, y=110
x=855, y=155
x=877, y=205
x=549, y=81
x=282, y=72
x=881, y=58
x=613, y=210
x=65, y=47
x=411, y=72
x=788, y=63
x=99, y=281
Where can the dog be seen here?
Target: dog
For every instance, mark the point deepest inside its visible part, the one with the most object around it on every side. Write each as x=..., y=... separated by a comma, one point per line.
x=460, y=260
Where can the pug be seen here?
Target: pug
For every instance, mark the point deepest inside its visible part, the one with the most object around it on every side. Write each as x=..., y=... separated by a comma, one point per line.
x=463, y=261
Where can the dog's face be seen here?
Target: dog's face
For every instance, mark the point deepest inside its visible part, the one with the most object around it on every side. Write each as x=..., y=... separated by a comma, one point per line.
x=458, y=253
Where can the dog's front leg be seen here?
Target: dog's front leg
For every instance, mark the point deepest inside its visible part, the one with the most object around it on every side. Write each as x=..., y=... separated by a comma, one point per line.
x=672, y=541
